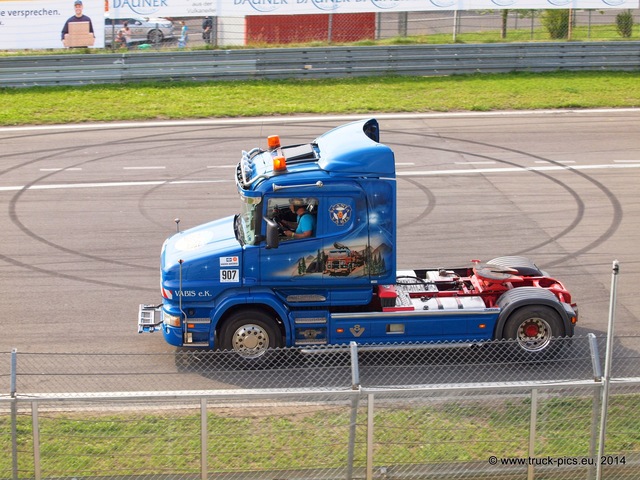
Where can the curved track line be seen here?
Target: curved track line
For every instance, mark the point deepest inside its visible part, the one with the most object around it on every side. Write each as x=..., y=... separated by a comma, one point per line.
x=617, y=208
x=616, y=218
x=13, y=215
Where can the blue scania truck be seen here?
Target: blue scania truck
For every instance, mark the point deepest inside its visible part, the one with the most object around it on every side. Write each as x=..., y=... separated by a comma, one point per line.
x=245, y=283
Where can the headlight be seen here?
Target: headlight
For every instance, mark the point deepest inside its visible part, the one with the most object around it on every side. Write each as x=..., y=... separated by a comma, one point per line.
x=170, y=320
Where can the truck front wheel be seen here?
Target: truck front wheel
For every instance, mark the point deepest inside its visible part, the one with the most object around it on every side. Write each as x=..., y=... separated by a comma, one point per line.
x=533, y=328
x=250, y=333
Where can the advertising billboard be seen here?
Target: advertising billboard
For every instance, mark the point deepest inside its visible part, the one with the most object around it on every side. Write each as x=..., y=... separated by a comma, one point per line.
x=162, y=8
x=53, y=24
x=40, y=24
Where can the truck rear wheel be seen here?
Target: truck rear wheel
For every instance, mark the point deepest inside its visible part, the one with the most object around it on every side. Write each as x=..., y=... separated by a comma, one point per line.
x=533, y=328
x=250, y=333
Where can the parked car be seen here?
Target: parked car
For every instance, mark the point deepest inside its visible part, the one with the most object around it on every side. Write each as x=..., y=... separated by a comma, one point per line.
x=143, y=30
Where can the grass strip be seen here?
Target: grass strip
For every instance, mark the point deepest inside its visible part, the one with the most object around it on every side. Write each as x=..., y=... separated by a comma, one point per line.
x=154, y=441
x=193, y=100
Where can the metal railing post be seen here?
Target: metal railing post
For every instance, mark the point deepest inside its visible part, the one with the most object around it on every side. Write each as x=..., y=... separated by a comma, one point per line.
x=595, y=357
x=351, y=452
x=355, y=403
x=455, y=26
x=595, y=408
x=403, y=26
x=355, y=368
x=14, y=414
x=204, y=436
x=370, y=437
x=14, y=373
x=532, y=432
x=607, y=367
x=214, y=32
x=35, y=424
x=533, y=16
x=595, y=411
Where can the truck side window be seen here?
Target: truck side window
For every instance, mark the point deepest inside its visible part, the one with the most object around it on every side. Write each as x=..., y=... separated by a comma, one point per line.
x=295, y=216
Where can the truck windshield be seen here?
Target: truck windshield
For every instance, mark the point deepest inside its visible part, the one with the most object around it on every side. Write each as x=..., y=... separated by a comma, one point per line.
x=246, y=223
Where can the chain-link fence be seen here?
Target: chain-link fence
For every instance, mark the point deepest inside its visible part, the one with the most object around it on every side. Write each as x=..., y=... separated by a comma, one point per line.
x=402, y=411
x=437, y=27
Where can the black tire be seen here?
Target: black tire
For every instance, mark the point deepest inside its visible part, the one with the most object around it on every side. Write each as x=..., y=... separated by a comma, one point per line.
x=155, y=36
x=250, y=333
x=533, y=328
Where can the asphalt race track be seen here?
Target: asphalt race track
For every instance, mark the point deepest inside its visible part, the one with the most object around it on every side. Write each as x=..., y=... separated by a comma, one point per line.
x=87, y=207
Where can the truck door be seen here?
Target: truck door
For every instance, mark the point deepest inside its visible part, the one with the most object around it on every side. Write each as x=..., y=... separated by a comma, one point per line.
x=346, y=240
x=336, y=254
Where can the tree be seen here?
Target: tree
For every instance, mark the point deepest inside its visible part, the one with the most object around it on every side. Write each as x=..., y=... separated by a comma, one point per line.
x=557, y=23
x=624, y=24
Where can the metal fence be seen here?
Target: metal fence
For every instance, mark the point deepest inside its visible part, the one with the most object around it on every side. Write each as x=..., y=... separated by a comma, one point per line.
x=410, y=411
x=470, y=26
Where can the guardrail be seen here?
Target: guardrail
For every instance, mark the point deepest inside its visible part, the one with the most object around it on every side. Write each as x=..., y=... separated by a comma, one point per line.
x=316, y=62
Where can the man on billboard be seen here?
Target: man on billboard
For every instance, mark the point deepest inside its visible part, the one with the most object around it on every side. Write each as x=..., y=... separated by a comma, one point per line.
x=78, y=30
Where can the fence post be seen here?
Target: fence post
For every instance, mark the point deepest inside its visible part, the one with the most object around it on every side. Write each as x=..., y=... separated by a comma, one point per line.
x=607, y=367
x=352, y=436
x=570, y=25
x=204, y=435
x=330, y=29
x=455, y=25
x=370, y=437
x=14, y=414
x=355, y=368
x=532, y=432
x=355, y=385
x=214, y=32
x=403, y=24
x=533, y=16
x=595, y=357
x=595, y=408
x=35, y=425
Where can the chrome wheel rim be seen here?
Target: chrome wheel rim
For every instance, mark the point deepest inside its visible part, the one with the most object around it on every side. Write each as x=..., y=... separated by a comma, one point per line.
x=250, y=341
x=534, y=334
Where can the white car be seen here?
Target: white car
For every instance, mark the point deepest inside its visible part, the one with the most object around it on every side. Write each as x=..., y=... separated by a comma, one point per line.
x=143, y=30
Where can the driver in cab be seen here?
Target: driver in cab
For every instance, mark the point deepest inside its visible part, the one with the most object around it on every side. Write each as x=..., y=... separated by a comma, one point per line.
x=305, y=224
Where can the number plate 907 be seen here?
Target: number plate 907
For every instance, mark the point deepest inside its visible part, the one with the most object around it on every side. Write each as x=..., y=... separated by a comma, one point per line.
x=229, y=275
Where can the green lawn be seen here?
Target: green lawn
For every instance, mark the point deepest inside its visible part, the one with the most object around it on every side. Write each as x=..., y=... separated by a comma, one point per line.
x=189, y=100
x=262, y=438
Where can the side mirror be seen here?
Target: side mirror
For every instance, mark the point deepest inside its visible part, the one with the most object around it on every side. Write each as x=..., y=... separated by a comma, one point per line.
x=273, y=238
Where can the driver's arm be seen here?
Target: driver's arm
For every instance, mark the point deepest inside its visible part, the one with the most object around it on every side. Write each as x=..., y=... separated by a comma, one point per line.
x=292, y=234
x=306, y=225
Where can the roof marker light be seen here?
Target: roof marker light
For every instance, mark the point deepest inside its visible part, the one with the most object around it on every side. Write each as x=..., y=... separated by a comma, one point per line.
x=279, y=164
x=273, y=142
